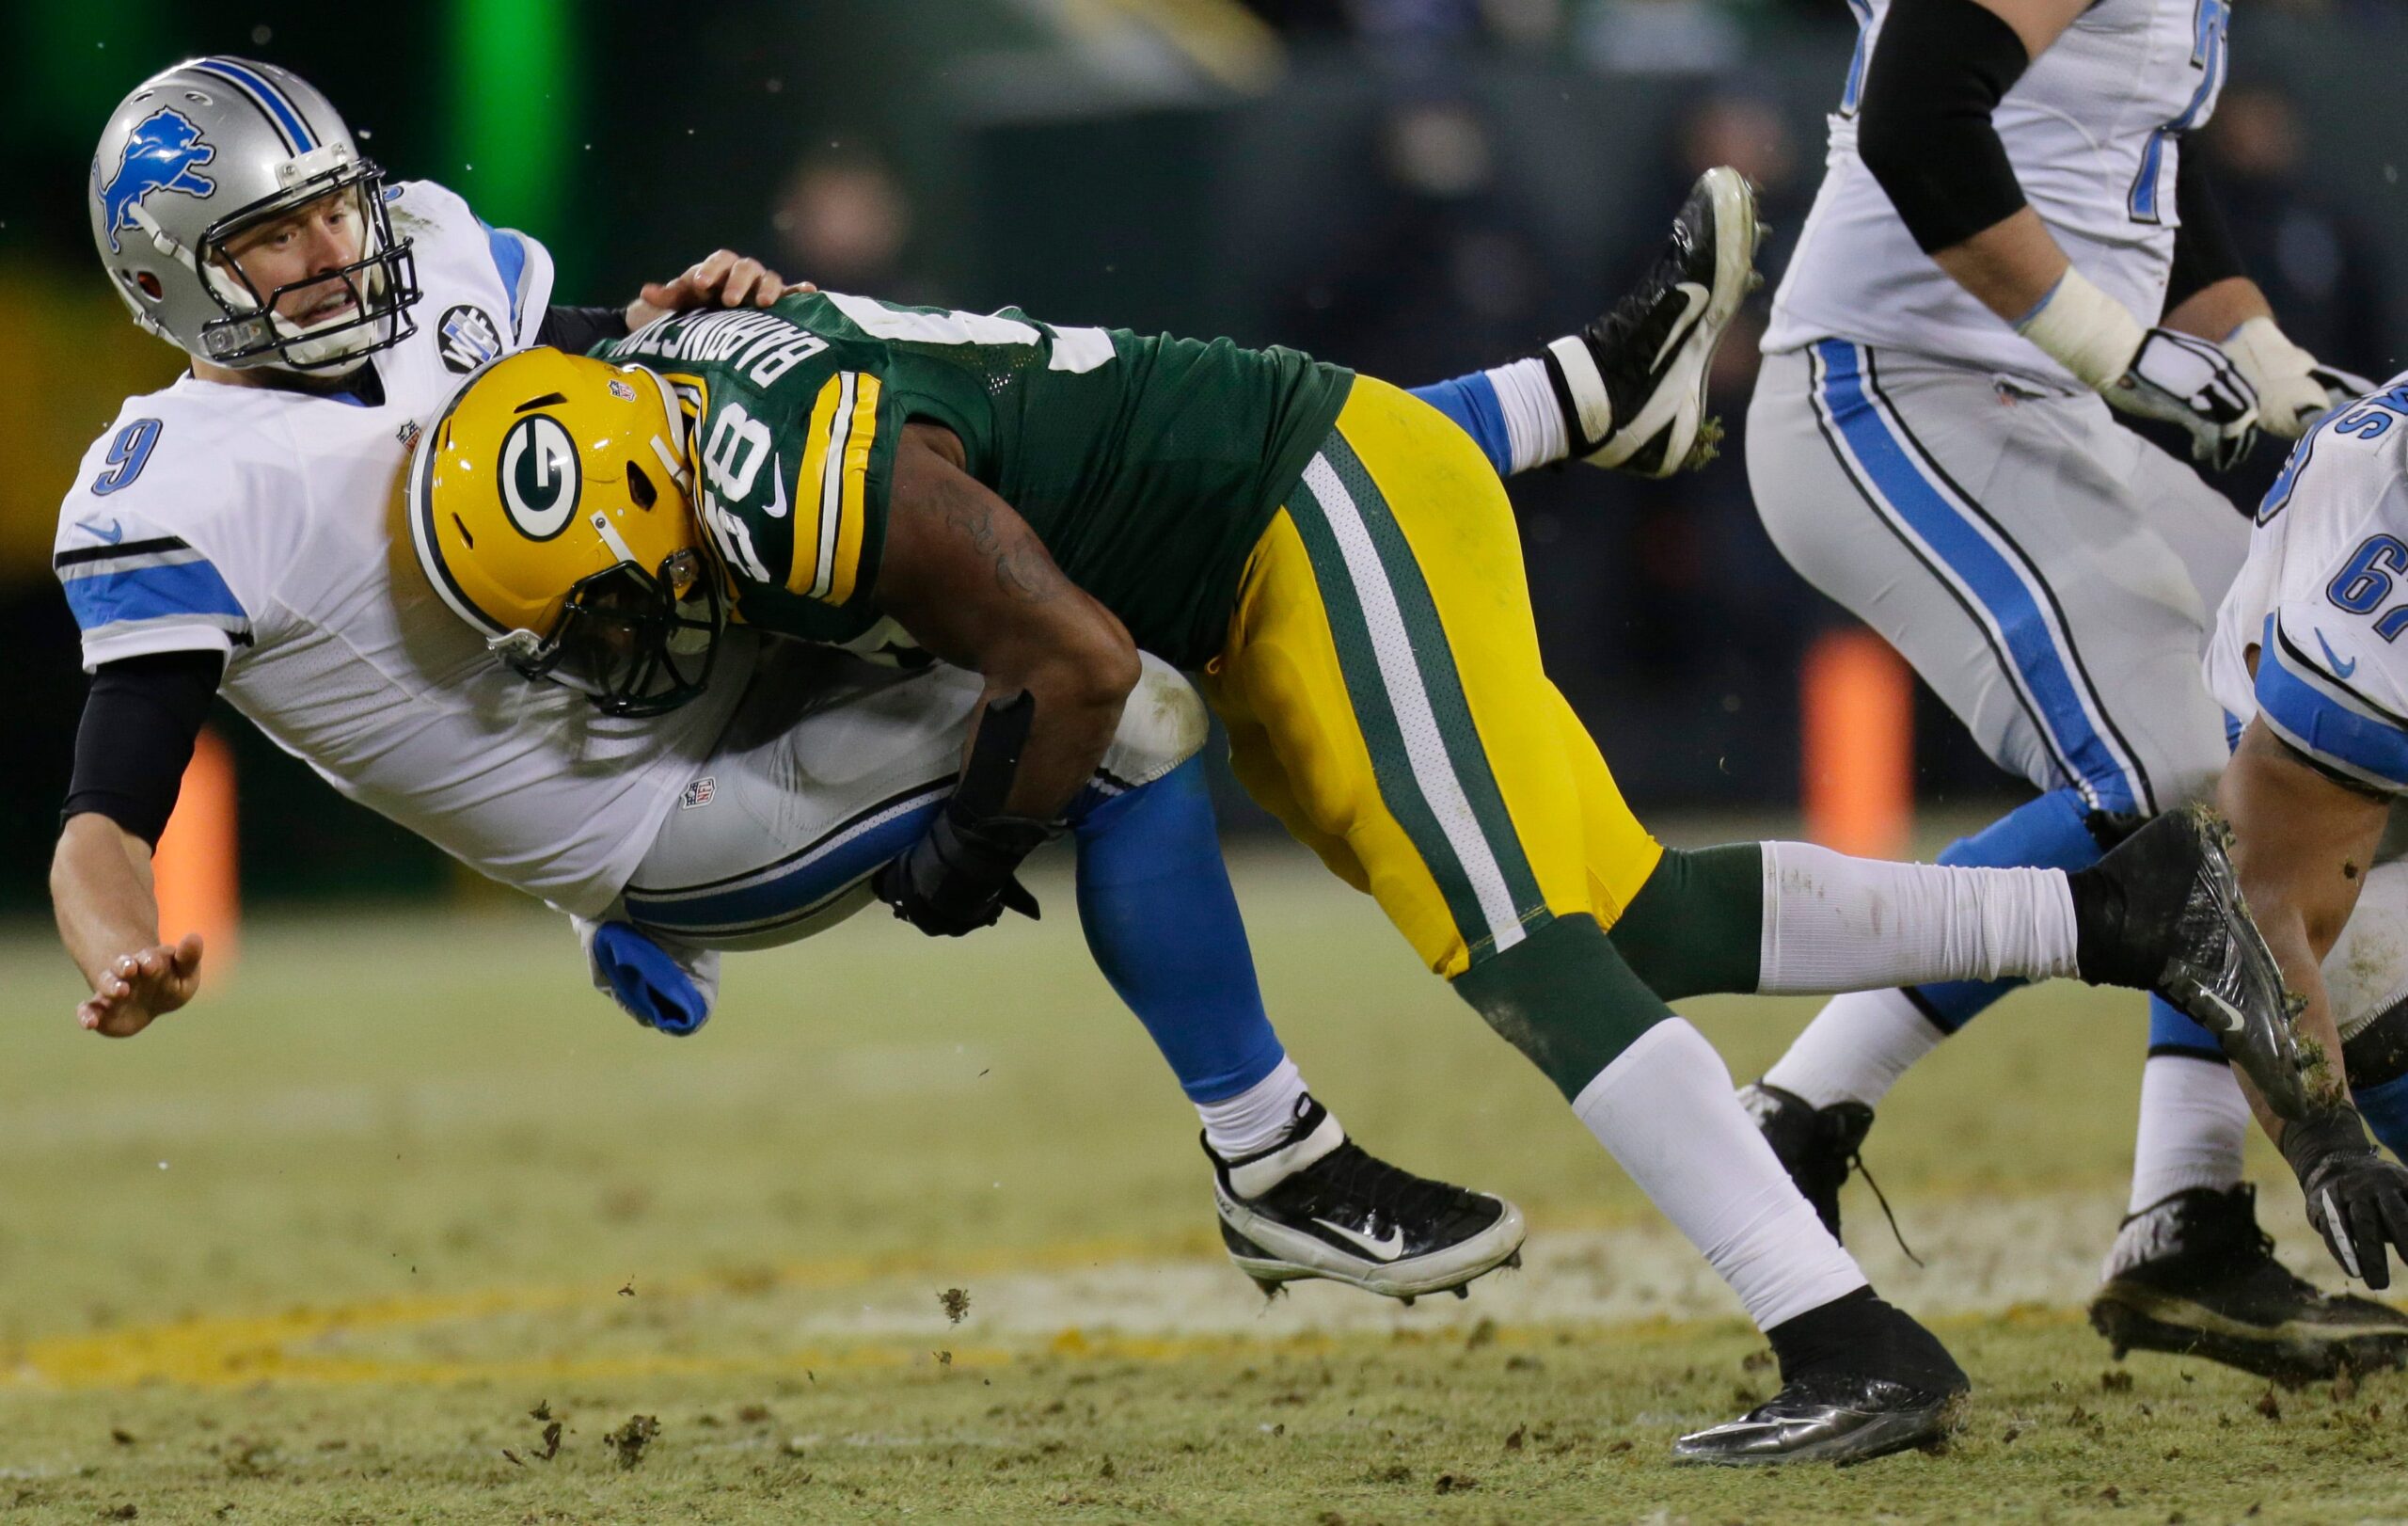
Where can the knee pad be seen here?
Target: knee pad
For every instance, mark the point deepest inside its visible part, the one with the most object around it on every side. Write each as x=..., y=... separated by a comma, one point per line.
x=1163, y=726
x=2366, y=973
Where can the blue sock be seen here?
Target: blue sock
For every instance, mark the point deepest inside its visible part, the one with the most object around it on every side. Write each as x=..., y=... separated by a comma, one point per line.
x=1471, y=403
x=2046, y=833
x=2384, y=1106
x=1162, y=924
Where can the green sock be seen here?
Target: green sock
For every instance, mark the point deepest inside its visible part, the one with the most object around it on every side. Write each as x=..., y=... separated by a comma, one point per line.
x=1563, y=998
x=1695, y=927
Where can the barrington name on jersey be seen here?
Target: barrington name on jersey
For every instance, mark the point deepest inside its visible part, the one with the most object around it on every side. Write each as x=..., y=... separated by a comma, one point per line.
x=762, y=346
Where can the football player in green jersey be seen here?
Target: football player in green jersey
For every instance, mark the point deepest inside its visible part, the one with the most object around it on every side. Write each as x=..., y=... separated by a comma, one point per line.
x=1337, y=561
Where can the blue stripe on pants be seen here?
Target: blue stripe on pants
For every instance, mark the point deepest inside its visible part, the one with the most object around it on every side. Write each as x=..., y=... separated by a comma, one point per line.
x=2005, y=588
x=1154, y=902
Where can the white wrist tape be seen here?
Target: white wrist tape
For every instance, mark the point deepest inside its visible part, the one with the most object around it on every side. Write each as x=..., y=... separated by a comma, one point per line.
x=2084, y=330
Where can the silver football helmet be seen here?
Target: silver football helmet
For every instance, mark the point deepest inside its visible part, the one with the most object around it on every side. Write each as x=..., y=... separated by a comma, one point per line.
x=201, y=153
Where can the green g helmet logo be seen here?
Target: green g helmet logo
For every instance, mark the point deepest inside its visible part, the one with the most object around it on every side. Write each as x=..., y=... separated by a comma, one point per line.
x=540, y=478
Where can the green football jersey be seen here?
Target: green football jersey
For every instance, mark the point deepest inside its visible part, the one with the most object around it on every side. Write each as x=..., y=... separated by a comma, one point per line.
x=1148, y=465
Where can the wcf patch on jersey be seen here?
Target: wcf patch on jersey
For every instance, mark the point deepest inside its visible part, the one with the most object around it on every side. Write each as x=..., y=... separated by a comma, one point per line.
x=698, y=793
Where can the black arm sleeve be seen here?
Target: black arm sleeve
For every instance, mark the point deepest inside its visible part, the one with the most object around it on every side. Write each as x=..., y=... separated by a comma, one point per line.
x=1923, y=119
x=579, y=329
x=139, y=722
x=2203, y=251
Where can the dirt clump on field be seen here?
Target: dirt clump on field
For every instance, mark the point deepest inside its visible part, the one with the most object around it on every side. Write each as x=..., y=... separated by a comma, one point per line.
x=631, y=1440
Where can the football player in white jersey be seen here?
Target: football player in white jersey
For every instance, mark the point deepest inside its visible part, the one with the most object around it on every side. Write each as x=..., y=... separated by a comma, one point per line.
x=2009, y=241
x=2010, y=245
x=2307, y=656
x=240, y=531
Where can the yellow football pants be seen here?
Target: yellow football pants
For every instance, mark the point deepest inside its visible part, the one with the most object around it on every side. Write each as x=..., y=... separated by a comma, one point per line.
x=1385, y=698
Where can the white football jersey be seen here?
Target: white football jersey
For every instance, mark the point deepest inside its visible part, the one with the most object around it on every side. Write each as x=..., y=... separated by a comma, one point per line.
x=2324, y=596
x=2094, y=131
x=266, y=525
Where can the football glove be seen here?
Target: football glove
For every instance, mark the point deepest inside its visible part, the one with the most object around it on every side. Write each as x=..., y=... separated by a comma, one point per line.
x=662, y=983
x=961, y=875
x=2186, y=380
x=2153, y=372
x=2357, y=1198
x=2294, y=389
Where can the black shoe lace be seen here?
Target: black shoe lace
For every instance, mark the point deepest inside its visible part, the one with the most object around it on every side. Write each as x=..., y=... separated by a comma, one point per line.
x=1621, y=329
x=1855, y=1160
x=1383, y=1190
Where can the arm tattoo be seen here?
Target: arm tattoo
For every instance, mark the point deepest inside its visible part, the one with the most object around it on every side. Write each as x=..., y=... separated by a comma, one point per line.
x=1024, y=572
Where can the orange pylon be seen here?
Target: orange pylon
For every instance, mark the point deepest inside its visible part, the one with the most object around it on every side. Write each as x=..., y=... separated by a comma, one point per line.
x=194, y=872
x=1858, y=747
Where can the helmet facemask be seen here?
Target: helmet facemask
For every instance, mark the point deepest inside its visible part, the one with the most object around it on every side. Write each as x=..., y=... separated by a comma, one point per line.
x=382, y=282
x=639, y=643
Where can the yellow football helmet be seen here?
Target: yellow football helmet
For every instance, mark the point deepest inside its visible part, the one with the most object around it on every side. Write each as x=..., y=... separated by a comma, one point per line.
x=551, y=507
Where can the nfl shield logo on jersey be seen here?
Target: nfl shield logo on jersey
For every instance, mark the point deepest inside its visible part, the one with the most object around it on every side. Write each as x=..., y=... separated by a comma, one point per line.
x=466, y=338
x=699, y=792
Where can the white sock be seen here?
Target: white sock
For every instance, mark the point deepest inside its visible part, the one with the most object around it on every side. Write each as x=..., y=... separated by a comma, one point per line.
x=2194, y=1121
x=1836, y=923
x=1665, y=1109
x=1255, y=1117
x=1533, y=419
x=1856, y=1049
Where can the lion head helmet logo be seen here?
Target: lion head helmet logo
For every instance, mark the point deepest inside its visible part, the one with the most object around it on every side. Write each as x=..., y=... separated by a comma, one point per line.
x=162, y=153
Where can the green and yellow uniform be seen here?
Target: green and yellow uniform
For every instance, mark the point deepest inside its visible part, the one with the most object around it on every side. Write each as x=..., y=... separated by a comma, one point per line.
x=1337, y=558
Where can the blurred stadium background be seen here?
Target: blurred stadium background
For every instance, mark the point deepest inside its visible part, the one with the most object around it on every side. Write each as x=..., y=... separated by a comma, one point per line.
x=1412, y=187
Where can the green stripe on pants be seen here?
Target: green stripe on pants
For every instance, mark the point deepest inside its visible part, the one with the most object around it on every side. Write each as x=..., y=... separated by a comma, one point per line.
x=1408, y=701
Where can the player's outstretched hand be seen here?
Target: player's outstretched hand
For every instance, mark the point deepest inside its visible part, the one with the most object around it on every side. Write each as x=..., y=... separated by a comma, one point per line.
x=2294, y=389
x=722, y=280
x=2192, y=382
x=140, y=986
x=2357, y=1198
x=2341, y=389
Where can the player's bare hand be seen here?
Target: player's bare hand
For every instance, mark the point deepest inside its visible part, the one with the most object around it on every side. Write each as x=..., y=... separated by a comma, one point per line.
x=723, y=280
x=140, y=986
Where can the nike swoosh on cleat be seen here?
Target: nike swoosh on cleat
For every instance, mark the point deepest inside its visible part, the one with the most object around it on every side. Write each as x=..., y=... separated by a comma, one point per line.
x=1697, y=296
x=2233, y=1021
x=116, y=533
x=777, y=488
x=2340, y=669
x=1386, y=1250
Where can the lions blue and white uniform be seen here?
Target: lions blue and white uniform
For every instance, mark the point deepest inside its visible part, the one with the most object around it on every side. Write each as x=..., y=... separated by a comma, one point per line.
x=2323, y=600
x=263, y=524
x=2094, y=131
x=2049, y=573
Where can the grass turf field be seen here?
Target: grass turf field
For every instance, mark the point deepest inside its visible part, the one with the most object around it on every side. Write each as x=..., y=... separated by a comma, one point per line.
x=322, y=1247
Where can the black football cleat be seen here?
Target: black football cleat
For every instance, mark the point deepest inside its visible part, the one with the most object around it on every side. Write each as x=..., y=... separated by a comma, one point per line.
x=1633, y=383
x=1875, y=1383
x=1816, y=1146
x=1316, y=1204
x=2195, y=1275
x=2163, y=911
